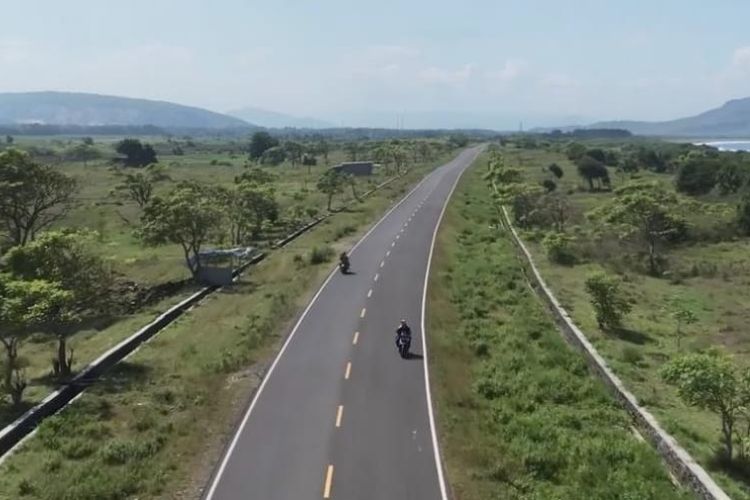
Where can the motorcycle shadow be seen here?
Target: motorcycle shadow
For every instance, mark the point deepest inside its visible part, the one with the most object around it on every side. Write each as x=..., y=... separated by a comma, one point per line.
x=414, y=356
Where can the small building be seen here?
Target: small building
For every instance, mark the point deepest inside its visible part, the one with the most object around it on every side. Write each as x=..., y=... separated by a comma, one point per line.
x=218, y=265
x=358, y=168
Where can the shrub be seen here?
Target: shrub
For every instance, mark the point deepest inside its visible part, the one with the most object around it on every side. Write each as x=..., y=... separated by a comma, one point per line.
x=609, y=303
x=558, y=248
x=549, y=185
x=696, y=177
x=319, y=255
x=631, y=355
x=342, y=231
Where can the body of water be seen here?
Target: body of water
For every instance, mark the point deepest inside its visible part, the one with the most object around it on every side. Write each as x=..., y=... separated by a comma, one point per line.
x=736, y=145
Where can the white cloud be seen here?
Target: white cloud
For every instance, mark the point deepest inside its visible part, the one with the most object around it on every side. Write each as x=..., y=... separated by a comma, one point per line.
x=442, y=76
x=511, y=71
x=741, y=58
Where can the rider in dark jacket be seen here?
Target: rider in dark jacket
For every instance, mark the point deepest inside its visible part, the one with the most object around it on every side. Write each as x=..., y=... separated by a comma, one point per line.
x=403, y=330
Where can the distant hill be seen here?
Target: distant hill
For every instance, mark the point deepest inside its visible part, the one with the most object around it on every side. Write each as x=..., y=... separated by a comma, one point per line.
x=730, y=120
x=87, y=110
x=272, y=119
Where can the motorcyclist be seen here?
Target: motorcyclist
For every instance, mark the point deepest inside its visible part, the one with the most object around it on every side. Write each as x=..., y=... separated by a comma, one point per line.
x=403, y=331
x=344, y=261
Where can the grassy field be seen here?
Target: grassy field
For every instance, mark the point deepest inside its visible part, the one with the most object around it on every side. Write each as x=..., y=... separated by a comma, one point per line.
x=155, y=425
x=709, y=276
x=520, y=416
x=152, y=266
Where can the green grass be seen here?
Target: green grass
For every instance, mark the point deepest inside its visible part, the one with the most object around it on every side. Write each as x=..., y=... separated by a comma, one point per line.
x=520, y=415
x=711, y=278
x=155, y=425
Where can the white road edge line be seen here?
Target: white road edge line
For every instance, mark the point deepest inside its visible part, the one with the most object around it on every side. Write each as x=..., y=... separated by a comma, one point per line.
x=235, y=439
x=425, y=361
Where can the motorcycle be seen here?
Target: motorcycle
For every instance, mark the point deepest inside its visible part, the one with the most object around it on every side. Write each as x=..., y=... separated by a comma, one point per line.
x=344, y=266
x=403, y=343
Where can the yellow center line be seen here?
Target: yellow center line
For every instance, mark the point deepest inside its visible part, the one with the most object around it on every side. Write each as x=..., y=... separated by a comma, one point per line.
x=348, y=370
x=356, y=338
x=339, y=414
x=362, y=314
x=369, y=293
x=329, y=482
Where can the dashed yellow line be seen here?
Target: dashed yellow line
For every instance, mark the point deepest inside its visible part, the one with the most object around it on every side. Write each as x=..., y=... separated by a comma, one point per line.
x=369, y=293
x=348, y=371
x=376, y=277
x=382, y=263
x=339, y=414
x=394, y=243
x=328, y=483
x=362, y=314
x=388, y=253
x=356, y=338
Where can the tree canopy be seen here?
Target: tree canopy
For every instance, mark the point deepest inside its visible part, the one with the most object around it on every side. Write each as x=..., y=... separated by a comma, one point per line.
x=190, y=215
x=645, y=209
x=260, y=143
x=32, y=196
x=136, y=153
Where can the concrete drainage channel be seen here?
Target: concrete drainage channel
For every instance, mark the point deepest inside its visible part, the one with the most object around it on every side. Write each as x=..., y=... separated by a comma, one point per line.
x=684, y=467
x=12, y=434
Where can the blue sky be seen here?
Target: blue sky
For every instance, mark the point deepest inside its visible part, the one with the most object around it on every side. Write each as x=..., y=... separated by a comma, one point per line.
x=353, y=62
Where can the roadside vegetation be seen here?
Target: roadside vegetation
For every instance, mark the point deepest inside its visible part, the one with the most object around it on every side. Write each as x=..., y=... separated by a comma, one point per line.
x=645, y=245
x=520, y=415
x=154, y=425
x=98, y=235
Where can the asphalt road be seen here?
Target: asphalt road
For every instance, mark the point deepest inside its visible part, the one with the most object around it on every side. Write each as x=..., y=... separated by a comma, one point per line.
x=340, y=415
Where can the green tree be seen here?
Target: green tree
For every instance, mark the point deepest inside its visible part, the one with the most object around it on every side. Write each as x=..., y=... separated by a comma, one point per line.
x=24, y=305
x=255, y=175
x=645, y=209
x=32, y=196
x=249, y=206
x=731, y=177
x=260, y=143
x=458, y=140
x=294, y=151
x=696, y=177
x=83, y=152
x=68, y=258
x=556, y=170
x=682, y=316
x=710, y=381
x=8, y=140
x=743, y=212
x=610, y=305
x=331, y=183
x=591, y=170
x=139, y=186
x=190, y=216
x=136, y=153
x=273, y=156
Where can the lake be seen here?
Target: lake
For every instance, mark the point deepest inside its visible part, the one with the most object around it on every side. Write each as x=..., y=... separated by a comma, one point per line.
x=736, y=145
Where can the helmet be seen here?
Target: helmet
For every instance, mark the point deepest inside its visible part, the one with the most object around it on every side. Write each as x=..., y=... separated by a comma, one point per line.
x=403, y=321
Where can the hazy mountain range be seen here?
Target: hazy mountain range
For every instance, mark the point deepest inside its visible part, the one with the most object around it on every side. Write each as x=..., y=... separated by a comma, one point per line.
x=79, y=109
x=68, y=108
x=730, y=120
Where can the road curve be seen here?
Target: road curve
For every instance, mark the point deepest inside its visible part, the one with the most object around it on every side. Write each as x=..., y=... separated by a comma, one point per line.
x=340, y=415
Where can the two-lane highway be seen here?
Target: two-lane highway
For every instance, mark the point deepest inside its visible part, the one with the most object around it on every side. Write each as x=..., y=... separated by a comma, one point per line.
x=340, y=414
